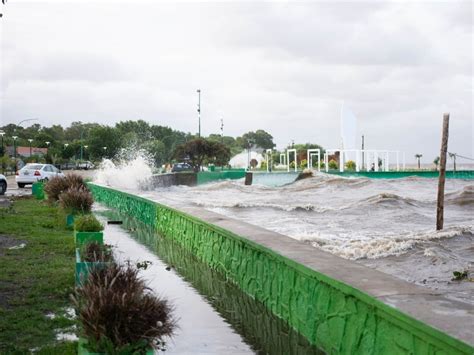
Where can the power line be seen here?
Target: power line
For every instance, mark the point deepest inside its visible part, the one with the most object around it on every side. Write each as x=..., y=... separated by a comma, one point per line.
x=461, y=156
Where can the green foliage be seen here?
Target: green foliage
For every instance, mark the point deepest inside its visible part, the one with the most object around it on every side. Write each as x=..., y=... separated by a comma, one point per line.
x=199, y=151
x=460, y=275
x=350, y=165
x=259, y=138
x=157, y=151
x=332, y=164
x=303, y=164
x=35, y=280
x=263, y=165
x=87, y=223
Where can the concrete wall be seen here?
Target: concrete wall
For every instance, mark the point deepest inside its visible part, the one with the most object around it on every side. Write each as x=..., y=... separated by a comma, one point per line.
x=340, y=306
x=171, y=179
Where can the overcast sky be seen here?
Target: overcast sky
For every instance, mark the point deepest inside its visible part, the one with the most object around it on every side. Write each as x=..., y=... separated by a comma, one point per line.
x=280, y=66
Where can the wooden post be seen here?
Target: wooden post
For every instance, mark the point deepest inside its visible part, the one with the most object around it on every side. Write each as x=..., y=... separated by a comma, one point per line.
x=442, y=173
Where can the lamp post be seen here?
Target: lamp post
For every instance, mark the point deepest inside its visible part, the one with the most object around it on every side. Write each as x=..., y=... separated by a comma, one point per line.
x=105, y=149
x=3, y=148
x=222, y=130
x=14, y=150
x=199, y=111
x=30, y=140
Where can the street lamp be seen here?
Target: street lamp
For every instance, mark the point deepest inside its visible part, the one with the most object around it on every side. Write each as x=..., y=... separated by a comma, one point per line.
x=66, y=145
x=105, y=149
x=14, y=150
x=199, y=111
x=2, y=134
x=30, y=140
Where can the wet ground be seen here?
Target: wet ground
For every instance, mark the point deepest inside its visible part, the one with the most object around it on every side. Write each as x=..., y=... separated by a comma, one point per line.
x=214, y=316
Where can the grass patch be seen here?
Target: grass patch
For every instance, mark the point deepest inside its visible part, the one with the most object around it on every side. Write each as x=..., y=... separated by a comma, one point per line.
x=35, y=281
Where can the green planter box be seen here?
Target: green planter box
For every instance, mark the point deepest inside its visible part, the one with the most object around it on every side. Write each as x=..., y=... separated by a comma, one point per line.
x=38, y=190
x=83, y=268
x=83, y=351
x=87, y=237
x=70, y=220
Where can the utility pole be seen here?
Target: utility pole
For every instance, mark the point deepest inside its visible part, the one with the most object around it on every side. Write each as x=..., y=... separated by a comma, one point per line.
x=363, y=160
x=442, y=173
x=3, y=148
x=199, y=111
x=30, y=140
x=82, y=131
x=14, y=150
x=222, y=130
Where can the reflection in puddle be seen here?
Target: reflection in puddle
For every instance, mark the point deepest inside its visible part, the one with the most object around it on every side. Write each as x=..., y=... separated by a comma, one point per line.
x=215, y=317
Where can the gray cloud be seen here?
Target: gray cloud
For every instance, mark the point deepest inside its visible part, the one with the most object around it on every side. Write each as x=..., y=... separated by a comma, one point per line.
x=284, y=67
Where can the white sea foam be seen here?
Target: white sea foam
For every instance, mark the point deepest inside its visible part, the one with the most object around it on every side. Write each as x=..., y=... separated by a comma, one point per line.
x=129, y=171
x=372, y=247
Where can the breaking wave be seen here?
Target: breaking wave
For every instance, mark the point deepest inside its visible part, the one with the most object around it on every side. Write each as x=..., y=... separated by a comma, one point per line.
x=363, y=247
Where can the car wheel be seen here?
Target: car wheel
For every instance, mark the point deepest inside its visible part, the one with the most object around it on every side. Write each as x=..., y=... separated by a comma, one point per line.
x=20, y=185
x=3, y=187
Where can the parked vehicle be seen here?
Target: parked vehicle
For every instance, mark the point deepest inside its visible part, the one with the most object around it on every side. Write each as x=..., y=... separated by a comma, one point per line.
x=3, y=184
x=86, y=165
x=68, y=166
x=31, y=173
x=181, y=167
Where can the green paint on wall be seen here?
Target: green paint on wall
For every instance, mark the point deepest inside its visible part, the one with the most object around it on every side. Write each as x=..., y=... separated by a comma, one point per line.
x=330, y=314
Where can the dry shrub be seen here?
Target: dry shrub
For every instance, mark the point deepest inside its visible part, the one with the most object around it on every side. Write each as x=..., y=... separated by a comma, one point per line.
x=57, y=185
x=76, y=200
x=96, y=252
x=119, y=313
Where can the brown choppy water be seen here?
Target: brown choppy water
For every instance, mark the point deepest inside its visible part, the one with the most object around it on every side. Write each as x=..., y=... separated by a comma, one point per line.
x=385, y=224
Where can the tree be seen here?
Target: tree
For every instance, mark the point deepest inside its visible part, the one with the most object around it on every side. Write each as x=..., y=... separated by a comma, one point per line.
x=418, y=156
x=197, y=151
x=104, y=136
x=219, y=154
x=141, y=128
x=436, y=162
x=260, y=138
x=157, y=151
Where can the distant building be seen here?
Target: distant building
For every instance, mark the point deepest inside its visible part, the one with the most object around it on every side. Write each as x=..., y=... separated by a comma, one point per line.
x=25, y=151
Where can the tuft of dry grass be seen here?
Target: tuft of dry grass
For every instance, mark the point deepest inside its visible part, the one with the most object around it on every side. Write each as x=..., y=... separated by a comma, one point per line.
x=119, y=312
x=76, y=200
x=57, y=185
x=96, y=252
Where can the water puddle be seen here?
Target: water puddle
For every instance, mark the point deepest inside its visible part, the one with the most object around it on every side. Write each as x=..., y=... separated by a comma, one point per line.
x=214, y=316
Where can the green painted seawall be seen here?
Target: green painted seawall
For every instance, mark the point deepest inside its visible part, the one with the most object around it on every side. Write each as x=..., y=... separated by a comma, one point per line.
x=332, y=314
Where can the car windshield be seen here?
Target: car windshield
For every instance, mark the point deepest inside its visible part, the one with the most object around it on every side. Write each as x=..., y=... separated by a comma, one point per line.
x=33, y=166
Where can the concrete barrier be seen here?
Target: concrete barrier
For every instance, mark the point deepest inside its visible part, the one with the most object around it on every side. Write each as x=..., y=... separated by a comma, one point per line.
x=338, y=305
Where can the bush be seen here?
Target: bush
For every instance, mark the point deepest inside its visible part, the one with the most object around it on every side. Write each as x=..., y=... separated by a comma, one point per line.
x=76, y=200
x=58, y=185
x=332, y=164
x=96, y=252
x=304, y=164
x=87, y=223
x=350, y=165
x=119, y=313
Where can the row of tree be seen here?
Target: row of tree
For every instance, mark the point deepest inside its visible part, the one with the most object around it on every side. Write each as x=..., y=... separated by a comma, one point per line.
x=93, y=141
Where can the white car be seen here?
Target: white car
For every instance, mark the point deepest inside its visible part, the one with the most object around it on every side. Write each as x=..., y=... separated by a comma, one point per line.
x=3, y=184
x=86, y=165
x=33, y=172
